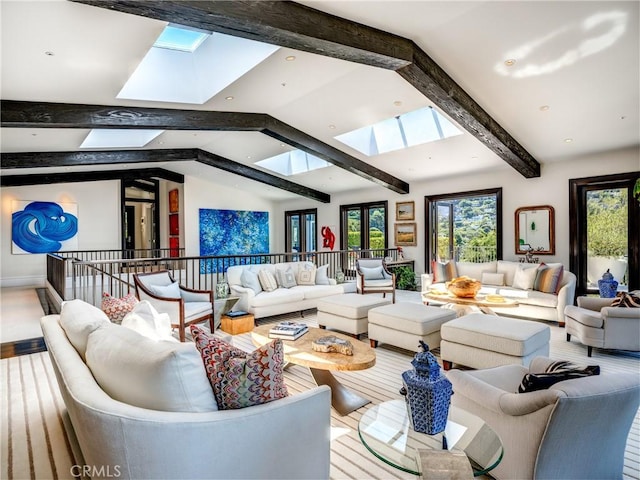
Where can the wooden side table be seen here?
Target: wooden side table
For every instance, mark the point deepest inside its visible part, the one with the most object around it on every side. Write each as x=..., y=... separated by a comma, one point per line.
x=237, y=325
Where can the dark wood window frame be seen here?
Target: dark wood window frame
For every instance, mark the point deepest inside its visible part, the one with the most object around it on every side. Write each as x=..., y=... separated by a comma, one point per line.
x=303, y=231
x=364, y=227
x=578, y=189
x=429, y=204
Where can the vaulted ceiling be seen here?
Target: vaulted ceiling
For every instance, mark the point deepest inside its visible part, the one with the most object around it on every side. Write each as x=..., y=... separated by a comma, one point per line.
x=575, y=77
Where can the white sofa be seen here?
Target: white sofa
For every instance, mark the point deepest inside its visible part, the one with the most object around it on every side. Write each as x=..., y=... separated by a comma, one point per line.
x=281, y=300
x=532, y=304
x=285, y=438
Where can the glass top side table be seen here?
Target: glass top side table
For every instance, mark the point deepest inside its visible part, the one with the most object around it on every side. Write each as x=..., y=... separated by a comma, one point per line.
x=385, y=431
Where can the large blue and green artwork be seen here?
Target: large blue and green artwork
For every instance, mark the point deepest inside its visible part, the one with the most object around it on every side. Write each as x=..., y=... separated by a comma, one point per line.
x=43, y=227
x=231, y=232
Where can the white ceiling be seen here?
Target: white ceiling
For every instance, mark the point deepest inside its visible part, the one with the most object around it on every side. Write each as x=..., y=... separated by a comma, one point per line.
x=581, y=59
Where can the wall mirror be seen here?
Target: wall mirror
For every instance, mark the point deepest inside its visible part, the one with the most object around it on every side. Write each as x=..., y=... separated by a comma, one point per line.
x=535, y=230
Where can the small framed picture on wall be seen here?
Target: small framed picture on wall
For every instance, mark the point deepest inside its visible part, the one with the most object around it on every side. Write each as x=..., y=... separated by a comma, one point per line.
x=405, y=211
x=174, y=201
x=174, y=224
x=405, y=234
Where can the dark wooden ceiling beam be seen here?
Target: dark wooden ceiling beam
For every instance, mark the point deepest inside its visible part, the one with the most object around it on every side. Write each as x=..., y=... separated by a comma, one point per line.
x=296, y=26
x=132, y=157
x=22, y=114
x=110, y=157
x=96, y=176
x=222, y=163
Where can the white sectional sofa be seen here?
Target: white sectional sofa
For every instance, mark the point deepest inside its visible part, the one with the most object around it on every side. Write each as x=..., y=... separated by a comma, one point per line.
x=284, y=299
x=197, y=441
x=499, y=277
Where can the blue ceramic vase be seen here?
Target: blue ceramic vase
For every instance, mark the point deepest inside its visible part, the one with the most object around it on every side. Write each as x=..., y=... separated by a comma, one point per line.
x=427, y=393
x=607, y=285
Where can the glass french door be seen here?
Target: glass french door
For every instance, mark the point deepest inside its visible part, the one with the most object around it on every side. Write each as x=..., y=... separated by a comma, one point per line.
x=465, y=226
x=604, y=231
x=301, y=231
x=363, y=227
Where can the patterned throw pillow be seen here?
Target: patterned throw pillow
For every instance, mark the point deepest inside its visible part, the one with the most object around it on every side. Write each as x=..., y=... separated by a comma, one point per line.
x=307, y=276
x=286, y=278
x=626, y=300
x=554, y=373
x=116, y=308
x=267, y=280
x=443, y=272
x=240, y=379
x=548, y=278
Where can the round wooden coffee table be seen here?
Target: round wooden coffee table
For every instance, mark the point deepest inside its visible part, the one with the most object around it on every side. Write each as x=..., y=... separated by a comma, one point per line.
x=300, y=352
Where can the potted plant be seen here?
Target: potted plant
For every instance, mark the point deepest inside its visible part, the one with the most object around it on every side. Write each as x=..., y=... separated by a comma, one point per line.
x=405, y=278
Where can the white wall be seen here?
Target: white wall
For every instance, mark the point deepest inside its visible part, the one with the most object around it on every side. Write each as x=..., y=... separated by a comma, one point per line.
x=551, y=188
x=199, y=194
x=98, y=225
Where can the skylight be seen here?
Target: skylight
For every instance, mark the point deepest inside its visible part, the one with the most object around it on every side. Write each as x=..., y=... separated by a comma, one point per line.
x=123, y=138
x=189, y=66
x=408, y=130
x=180, y=38
x=292, y=163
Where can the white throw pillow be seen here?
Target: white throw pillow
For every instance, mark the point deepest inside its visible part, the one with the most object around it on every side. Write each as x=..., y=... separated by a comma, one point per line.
x=524, y=277
x=374, y=273
x=146, y=320
x=249, y=279
x=78, y=319
x=492, y=279
x=136, y=370
x=322, y=275
x=267, y=280
x=166, y=291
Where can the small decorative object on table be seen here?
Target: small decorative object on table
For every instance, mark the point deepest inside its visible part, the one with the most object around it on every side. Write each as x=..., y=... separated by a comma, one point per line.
x=427, y=393
x=464, y=287
x=222, y=290
x=339, y=276
x=607, y=285
x=288, y=330
x=332, y=344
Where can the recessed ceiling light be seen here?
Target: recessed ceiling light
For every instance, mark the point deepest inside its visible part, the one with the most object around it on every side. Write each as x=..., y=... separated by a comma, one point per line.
x=623, y=117
x=397, y=103
x=230, y=97
x=34, y=134
x=568, y=140
x=544, y=108
x=49, y=53
x=510, y=62
x=332, y=126
x=248, y=157
x=290, y=58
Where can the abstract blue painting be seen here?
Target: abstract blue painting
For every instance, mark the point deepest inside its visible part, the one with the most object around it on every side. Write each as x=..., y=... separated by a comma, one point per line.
x=232, y=232
x=44, y=227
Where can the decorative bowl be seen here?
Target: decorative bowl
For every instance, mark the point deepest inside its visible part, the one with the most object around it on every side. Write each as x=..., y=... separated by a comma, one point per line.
x=464, y=287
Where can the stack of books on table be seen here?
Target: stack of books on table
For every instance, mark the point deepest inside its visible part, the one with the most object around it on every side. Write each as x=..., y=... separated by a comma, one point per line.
x=288, y=330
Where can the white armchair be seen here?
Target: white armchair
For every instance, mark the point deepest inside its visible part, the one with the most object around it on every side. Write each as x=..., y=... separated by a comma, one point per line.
x=576, y=429
x=595, y=323
x=372, y=276
x=185, y=306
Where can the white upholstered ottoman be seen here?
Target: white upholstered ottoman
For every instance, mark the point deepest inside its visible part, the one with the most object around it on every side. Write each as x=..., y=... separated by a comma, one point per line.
x=479, y=340
x=347, y=313
x=405, y=324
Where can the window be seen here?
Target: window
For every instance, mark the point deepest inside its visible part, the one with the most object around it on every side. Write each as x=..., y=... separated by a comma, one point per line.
x=364, y=227
x=604, y=231
x=464, y=226
x=301, y=230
